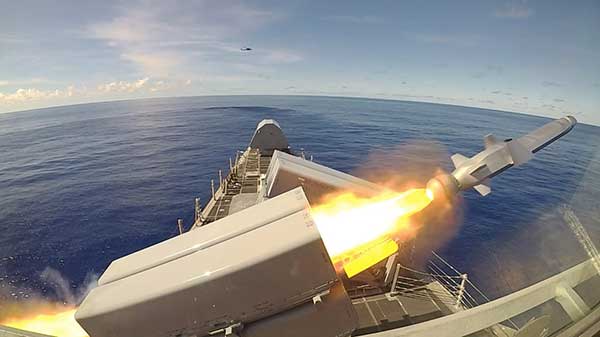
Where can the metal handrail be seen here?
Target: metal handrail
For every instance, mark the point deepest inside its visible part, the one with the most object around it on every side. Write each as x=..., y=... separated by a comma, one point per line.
x=458, y=287
x=486, y=315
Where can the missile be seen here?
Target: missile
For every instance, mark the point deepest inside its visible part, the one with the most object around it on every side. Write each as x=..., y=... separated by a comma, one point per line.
x=497, y=157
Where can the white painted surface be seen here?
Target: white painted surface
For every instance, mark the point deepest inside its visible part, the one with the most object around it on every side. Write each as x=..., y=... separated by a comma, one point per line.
x=246, y=277
x=206, y=236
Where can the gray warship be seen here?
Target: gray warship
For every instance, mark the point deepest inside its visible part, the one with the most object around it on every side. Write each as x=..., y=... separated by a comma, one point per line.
x=253, y=263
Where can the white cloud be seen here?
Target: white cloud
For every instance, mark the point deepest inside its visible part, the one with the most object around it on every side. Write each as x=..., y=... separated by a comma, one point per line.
x=134, y=26
x=144, y=85
x=515, y=10
x=198, y=21
x=32, y=94
x=124, y=86
x=162, y=39
x=199, y=39
x=24, y=82
x=158, y=86
x=23, y=97
x=155, y=64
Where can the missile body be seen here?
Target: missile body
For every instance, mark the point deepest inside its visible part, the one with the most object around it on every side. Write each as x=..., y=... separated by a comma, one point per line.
x=497, y=157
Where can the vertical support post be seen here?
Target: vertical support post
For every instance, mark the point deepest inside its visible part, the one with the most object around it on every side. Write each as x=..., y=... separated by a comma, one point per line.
x=197, y=210
x=302, y=153
x=396, y=273
x=230, y=165
x=220, y=178
x=225, y=187
x=461, y=290
x=237, y=158
x=571, y=302
x=212, y=187
x=311, y=157
x=180, y=226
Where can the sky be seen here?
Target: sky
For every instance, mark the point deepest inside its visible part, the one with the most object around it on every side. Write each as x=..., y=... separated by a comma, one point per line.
x=537, y=57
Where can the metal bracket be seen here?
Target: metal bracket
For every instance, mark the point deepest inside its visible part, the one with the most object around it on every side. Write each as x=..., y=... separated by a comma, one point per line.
x=233, y=330
x=319, y=297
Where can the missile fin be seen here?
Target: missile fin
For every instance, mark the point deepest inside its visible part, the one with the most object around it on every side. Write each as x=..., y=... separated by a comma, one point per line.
x=520, y=153
x=458, y=159
x=490, y=140
x=484, y=188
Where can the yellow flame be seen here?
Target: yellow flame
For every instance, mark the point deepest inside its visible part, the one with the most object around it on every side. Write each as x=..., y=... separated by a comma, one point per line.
x=369, y=256
x=60, y=323
x=359, y=232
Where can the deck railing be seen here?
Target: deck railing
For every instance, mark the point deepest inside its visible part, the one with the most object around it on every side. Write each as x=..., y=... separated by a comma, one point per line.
x=459, y=289
x=559, y=288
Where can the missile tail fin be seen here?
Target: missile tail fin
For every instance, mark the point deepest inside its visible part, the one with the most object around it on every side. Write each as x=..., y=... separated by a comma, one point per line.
x=458, y=159
x=490, y=140
x=484, y=188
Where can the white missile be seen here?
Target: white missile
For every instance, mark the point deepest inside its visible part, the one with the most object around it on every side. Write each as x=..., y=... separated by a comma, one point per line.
x=498, y=156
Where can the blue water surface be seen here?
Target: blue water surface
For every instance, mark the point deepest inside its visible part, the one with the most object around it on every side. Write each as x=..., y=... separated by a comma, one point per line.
x=83, y=185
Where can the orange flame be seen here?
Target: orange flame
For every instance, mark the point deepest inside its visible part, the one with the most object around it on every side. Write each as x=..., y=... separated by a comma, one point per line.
x=359, y=232
x=56, y=323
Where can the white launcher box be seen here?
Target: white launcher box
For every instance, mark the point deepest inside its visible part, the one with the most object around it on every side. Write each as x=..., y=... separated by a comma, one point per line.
x=261, y=270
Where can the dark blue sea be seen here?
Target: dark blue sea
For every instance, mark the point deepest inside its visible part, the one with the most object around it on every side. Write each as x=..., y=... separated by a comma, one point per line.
x=85, y=184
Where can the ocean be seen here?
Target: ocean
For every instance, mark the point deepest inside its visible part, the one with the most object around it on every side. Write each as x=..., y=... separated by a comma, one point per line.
x=85, y=184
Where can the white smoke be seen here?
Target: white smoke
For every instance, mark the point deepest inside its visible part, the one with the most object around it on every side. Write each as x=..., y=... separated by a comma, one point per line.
x=62, y=286
x=67, y=296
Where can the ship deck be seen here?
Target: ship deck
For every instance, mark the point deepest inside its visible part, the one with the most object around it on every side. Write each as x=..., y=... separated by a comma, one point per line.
x=239, y=188
x=388, y=311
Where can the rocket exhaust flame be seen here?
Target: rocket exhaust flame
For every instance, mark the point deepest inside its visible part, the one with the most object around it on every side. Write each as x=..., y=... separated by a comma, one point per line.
x=360, y=232
x=49, y=317
x=55, y=323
